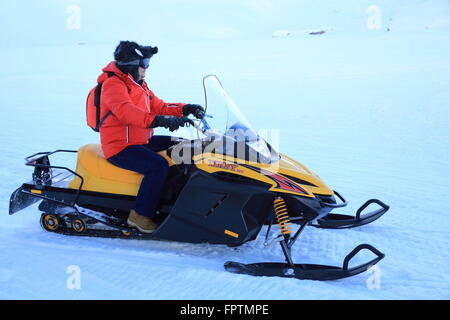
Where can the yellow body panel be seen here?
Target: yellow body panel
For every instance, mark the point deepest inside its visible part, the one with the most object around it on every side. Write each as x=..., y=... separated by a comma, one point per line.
x=295, y=169
x=212, y=163
x=101, y=176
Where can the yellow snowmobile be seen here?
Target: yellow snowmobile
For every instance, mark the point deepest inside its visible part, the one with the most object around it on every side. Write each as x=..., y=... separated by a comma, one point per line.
x=222, y=188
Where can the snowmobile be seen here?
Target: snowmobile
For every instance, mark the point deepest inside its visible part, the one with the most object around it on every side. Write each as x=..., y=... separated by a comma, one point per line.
x=222, y=188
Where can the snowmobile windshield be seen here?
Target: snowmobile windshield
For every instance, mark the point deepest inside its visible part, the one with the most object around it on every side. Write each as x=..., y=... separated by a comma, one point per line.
x=225, y=124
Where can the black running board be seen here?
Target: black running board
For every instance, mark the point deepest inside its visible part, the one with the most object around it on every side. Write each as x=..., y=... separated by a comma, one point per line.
x=306, y=271
x=343, y=221
x=116, y=223
x=105, y=233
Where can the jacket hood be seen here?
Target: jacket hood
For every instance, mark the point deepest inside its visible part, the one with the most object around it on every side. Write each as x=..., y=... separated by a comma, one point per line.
x=127, y=78
x=111, y=67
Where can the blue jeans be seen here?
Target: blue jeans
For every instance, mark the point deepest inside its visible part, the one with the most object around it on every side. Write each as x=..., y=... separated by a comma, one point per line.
x=145, y=160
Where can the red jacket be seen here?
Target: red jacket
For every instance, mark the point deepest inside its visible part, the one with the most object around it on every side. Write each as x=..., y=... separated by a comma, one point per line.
x=133, y=109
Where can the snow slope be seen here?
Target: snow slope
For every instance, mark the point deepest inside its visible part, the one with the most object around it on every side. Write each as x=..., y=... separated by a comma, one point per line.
x=366, y=109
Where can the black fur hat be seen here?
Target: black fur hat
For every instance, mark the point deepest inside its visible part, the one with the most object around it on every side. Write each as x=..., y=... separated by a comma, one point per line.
x=128, y=51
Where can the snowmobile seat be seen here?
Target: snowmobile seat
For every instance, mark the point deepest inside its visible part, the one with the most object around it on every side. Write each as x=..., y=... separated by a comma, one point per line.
x=101, y=176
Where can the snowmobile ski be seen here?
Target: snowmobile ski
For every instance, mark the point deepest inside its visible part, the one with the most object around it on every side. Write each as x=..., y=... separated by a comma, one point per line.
x=306, y=271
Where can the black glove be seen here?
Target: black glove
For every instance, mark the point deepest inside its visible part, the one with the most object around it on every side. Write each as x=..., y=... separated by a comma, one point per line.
x=170, y=122
x=194, y=109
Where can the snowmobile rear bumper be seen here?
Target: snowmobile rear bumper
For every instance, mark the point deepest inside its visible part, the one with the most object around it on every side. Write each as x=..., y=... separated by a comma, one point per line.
x=30, y=193
x=306, y=271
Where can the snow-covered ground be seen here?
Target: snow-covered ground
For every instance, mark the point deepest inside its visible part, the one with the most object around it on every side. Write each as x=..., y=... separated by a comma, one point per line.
x=365, y=105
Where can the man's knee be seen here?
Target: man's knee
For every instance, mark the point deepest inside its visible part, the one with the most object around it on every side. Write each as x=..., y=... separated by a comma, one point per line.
x=160, y=165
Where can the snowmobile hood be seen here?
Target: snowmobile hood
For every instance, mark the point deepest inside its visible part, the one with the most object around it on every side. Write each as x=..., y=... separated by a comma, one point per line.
x=285, y=175
x=301, y=175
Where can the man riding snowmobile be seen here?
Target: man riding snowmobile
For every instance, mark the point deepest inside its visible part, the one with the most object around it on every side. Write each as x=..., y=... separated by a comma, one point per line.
x=129, y=111
x=219, y=196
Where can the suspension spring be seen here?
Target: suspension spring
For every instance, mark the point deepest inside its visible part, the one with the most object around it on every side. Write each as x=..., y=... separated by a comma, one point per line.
x=282, y=215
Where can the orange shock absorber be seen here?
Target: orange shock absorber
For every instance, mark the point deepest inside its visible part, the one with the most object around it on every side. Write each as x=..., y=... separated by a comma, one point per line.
x=282, y=214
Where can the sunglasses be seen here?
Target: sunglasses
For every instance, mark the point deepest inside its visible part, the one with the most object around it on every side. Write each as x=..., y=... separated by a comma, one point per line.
x=144, y=63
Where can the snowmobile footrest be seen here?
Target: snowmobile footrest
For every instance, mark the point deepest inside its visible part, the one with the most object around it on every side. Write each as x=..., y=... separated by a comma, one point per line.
x=342, y=221
x=306, y=271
